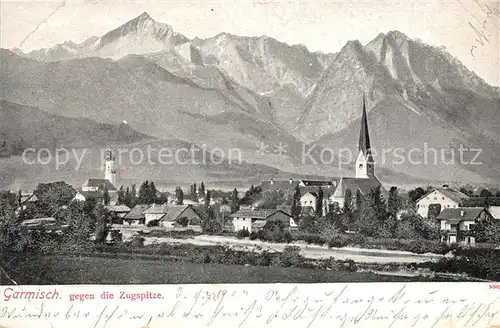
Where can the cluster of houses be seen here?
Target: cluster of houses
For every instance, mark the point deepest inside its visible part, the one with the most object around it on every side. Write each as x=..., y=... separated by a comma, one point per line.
x=455, y=215
x=165, y=216
x=458, y=213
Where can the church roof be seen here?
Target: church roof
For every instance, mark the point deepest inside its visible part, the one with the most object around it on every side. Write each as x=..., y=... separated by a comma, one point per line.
x=100, y=183
x=316, y=183
x=363, y=185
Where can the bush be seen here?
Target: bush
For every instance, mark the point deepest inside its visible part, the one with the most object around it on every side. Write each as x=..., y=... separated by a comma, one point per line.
x=243, y=233
x=254, y=235
x=137, y=241
x=153, y=223
x=290, y=257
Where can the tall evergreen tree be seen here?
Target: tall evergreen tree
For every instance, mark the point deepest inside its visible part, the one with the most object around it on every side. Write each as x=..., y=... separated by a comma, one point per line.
x=179, y=194
x=144, y=193
x=127, y=198
x=152, y=194
x=319, y=202
x=106, y=196
x=235, y=201
x=296, y=207
x=207, y=199
x=359, y=199
x=394, y=202
x=202, y=190
x=121, y=196
x=347, y=201
x=133, y=196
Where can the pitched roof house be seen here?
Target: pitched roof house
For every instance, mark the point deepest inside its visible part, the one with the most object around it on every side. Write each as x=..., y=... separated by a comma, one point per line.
x=445, y=197
x=454, y=222
x=136, y=214
x=155, y=212
x=245, y=219
x=177, y=212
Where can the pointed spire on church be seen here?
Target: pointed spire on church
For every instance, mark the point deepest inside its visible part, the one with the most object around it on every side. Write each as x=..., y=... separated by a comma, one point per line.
x=364, y=136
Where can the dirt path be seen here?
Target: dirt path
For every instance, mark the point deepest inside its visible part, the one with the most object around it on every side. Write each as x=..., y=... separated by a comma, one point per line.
x=358, y=255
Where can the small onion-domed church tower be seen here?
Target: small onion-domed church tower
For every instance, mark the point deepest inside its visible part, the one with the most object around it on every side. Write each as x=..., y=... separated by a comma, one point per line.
x=110, y=168
x=365, y=165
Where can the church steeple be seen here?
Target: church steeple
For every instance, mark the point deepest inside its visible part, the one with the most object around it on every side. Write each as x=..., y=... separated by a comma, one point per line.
x=364, y=136
x=365, y=166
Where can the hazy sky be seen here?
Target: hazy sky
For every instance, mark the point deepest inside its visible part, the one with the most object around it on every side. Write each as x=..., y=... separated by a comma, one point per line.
x=320, y=25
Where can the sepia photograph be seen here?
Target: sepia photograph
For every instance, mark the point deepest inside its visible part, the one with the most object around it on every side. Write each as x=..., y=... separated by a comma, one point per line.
x=248, y=142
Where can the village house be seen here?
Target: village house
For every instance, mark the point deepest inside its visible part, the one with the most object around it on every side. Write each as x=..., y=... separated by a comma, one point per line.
x=48, y=224
x=443, y=198
x=26, y=198
x=136, y=215
x=458, y=223
x=176, y=214
x=155, y=212
x=117, y=212
x=82, y=196
x=254, y=220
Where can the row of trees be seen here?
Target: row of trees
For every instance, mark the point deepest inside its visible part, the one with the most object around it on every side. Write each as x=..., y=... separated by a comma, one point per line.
x=148, y=194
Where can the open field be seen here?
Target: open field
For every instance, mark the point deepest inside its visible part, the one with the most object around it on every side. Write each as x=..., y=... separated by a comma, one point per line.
x=97, y=270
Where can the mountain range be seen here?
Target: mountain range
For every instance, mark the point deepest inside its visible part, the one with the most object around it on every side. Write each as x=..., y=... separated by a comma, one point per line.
x=231, y=91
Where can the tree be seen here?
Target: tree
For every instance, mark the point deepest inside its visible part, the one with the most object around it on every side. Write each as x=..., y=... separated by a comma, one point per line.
x=235, y=201
x=210, y=223
x=81, y=224
x=106, y=195
x=394, y=202
x=319, y=202
x=144, y=193
x=251, y=195
x=52, y=196
x=122, y=196
x=296, y=206
x=102, y=227
x=202, y=190
x=163, y=198
x=207, y=199
x=415, y=194
x=467, y=190
x=127, y=198
x=133, y=196
x=485, y=193
x=152, y=194
x=347, y=201
x=179, y=194
x=359, y=199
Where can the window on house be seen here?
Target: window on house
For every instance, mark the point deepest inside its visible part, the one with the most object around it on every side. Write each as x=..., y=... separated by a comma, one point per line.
x=471, y=226
x=443, y=198
x=360, y=165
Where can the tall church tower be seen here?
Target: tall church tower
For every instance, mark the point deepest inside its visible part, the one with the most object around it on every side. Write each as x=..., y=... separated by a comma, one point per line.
x=365, y=165
x=110, y=168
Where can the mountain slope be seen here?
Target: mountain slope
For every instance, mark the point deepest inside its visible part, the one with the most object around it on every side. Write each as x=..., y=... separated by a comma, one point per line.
x=30, y=127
